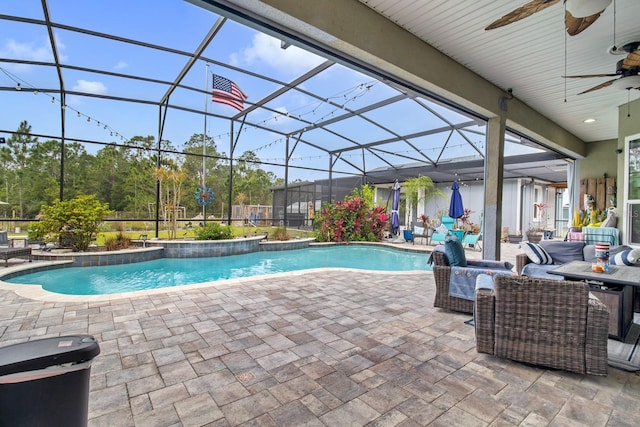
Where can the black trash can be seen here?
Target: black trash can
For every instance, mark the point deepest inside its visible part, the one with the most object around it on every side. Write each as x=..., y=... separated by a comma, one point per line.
x=46, y=382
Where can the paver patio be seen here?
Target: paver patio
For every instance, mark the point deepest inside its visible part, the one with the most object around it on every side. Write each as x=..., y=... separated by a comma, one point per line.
x=321, y=348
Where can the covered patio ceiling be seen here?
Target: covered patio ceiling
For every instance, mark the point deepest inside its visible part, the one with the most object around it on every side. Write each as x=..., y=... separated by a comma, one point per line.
x=312, y=116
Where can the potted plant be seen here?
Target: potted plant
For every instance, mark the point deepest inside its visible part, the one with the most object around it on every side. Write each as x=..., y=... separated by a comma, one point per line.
x=467, y=225
x=534, y=233
x=515, y=238
x=426, y=224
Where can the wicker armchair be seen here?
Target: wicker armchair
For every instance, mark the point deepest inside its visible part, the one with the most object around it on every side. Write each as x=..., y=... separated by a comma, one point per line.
x=442, y=276
x=550, y=323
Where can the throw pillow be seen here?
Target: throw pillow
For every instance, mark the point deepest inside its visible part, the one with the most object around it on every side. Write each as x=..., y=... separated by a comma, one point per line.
x=441, y=229
x=629, y=257
x=563, y=252
x=536, y=253
x=611, y=220
x=455, y=252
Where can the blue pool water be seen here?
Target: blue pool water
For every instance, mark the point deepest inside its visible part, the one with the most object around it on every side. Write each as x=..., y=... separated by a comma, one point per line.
x=169, y=272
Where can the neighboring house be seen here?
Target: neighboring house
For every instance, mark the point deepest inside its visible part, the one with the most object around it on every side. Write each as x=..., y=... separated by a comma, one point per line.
x=518, y=202
x=519, y=197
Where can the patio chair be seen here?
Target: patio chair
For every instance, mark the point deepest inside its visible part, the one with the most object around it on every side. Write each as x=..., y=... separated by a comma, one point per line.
x=440, y=234
x=419, y=232
x=550, y=323
x=472, y=239
x=4, y=239
x=442, y=273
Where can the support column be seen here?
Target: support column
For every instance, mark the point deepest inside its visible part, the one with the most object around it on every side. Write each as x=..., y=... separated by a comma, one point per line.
x=493, y=181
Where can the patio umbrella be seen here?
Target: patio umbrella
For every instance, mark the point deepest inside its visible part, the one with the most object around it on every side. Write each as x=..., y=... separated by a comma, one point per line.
x=395, y=219
x=456, y=208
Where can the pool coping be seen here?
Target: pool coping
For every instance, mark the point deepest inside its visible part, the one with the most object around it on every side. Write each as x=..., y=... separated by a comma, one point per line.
x=35, y=292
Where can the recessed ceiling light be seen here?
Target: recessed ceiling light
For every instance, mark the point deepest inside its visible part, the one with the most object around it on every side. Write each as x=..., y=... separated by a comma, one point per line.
x=589, y=120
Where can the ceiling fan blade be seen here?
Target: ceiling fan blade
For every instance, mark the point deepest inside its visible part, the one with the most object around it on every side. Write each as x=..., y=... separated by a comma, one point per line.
x=577, y=25
x=632, y=60
x=522, y=12
x=588, y=76
x=600, y=86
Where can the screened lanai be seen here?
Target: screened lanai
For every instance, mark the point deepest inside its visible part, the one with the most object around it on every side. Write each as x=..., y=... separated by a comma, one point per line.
x=121, y=80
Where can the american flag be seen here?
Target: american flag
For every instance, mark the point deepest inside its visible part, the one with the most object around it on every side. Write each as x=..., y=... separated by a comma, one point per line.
x=227, y=92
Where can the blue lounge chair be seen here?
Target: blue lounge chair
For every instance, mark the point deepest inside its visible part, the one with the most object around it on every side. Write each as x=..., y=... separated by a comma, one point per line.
x=472, y=239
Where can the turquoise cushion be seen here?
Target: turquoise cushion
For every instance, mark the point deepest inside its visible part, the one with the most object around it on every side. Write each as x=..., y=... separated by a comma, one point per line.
x=455, y=252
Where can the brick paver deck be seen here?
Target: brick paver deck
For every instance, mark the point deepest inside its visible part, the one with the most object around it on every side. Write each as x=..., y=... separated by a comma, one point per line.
x=322, y=348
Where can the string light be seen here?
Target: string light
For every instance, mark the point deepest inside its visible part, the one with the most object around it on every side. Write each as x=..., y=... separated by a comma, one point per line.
x=20, y=83
x=358, y=155
x=360, y=90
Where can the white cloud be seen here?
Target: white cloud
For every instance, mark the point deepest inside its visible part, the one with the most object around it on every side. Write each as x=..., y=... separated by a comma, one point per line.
x=26, y=51
x=266, y=50
x=90, y=87
x=121, y=65
x=29, y=51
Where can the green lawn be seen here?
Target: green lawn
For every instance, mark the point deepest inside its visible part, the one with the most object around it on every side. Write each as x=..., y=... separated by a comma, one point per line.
x=190, y=233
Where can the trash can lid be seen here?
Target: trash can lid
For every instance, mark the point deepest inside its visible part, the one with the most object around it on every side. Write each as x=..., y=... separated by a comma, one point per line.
x=42, y=353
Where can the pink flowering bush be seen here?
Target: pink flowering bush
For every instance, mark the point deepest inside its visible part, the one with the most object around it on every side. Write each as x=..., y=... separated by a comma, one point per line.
x=353, y=220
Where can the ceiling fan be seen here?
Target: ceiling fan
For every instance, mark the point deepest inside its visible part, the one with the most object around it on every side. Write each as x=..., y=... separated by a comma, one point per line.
x=579, y=14
x=627, y=71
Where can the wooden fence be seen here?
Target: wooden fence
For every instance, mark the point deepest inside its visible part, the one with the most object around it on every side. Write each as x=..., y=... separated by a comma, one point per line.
x=602, y=189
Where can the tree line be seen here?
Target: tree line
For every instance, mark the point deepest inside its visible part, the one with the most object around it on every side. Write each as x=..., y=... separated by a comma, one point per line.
x=125, y=175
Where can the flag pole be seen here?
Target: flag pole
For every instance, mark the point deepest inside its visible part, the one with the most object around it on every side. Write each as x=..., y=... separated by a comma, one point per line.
x=204, y=140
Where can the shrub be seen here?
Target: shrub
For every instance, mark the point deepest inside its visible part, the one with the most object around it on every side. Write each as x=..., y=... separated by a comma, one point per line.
x=280, y=233
x=354, y=219
x=72, y=223
x=35, y=232
x=214, y=231
x=120, y=241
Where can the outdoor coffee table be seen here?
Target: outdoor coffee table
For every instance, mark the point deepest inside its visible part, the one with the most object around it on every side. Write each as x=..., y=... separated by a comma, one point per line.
x=614, y=288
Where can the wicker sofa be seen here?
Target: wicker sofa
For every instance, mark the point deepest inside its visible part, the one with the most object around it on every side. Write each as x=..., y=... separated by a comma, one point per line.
x=555, y=324
x=442, y=275
x=561, y=252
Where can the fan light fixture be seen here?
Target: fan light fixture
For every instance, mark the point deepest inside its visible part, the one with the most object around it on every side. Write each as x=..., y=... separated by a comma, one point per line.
x=589, y=120
x=629, y=82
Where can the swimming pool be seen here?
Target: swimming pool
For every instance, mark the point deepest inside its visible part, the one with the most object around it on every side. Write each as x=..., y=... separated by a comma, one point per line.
x=168, y=272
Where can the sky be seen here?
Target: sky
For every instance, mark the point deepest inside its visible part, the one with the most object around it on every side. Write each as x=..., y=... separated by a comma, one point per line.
x=181, y=26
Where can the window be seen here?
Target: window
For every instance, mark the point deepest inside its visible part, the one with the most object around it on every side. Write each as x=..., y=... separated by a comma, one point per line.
x=632, y=189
